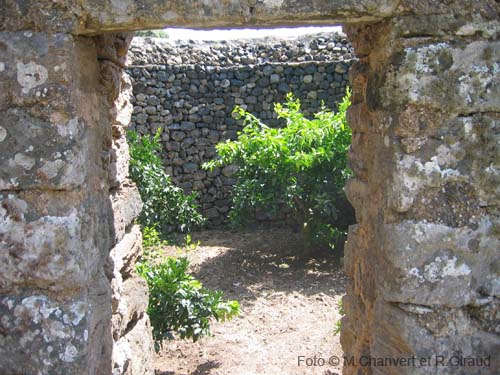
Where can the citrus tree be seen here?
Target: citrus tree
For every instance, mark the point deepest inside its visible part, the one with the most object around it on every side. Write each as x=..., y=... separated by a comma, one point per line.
x=302, y=165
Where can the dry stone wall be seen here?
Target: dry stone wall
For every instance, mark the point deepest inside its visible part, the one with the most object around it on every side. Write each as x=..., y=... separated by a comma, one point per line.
x=189, y=89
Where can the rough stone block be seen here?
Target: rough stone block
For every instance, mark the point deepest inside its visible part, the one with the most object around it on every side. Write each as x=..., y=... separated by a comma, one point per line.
x=63, y=335
x=38, y=71
x=50, y=240
x=127, y=205
x=119, y=165
x=123, y=256
x=132, y=303
x=132, y=355
x=449, y=337
x=462, y=165
x=435, y=265
x=449, y=76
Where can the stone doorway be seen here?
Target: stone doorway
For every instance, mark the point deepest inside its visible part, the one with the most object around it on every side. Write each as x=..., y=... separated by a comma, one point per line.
x=425, y=118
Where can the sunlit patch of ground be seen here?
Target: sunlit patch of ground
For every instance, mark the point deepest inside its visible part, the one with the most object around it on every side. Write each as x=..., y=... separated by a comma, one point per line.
x=289, y=307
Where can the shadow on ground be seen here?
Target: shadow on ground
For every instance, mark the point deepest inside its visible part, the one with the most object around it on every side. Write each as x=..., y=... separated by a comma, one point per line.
x=250, y=264
x=289, y=306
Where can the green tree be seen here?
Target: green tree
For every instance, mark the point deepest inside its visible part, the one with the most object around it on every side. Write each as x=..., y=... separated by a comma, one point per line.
x=302, y=165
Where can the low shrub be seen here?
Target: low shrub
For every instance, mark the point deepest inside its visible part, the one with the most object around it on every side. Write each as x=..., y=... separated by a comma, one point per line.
x=179, y=305
x=165, y=205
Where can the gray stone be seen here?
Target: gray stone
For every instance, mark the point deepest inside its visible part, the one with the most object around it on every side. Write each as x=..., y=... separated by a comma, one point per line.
x=340, y=68
x=307, y=79
x=199, y=175
x=190, y=167
x=267, y=70
x=248, y=100
x=141, y=118
x=173, y=146
x=187, y=142
x=198, y=185
x=283, y=88
x=263, y=82
x=132, y=354
x=126, y=203
x=229, y=170
x=178, y=135
x=187, y=125
x=153, y=100
x=275, y=78
x=211, y=213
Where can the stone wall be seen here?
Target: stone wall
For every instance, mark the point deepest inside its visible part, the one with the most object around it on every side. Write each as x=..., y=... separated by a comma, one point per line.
x=189, y=89
x=70, y=303
x=424, y=257
x=130, y=327
x=55, y=214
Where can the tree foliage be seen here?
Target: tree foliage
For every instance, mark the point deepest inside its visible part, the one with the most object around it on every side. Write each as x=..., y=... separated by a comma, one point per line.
x=302, y=165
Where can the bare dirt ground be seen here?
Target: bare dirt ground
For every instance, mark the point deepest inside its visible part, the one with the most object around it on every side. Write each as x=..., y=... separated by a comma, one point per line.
x=289, y=307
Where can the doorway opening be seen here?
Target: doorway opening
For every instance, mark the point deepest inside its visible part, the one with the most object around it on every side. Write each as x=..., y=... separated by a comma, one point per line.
x=187, y=89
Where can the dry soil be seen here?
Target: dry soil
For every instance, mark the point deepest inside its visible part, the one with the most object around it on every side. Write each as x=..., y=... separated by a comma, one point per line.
x=289, y=307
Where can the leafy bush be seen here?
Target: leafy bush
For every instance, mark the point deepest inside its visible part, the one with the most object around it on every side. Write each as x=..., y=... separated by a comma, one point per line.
x=302, y=165
x=152, y=244
x=165, y=205
x=179, y=304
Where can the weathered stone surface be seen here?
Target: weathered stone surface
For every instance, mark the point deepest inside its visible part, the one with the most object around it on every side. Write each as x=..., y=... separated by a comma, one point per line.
x=120, y=114
x=133, y=301
x=423, y=257
x=94, y=16
x=127, y=205
x=439, y=333
x=125, y=253
x=43, y=103
x=55, y=210
x=46, y=335
x=119, y=165
x=438, y=266
x=129, y=297
x=447, y=164
x=448, y=77
x=129, y=291
x=34, y=230
x=132, y=354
